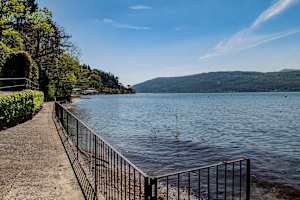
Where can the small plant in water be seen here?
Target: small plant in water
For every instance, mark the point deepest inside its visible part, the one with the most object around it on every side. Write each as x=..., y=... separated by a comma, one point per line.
x=177, y=132
x=154, y=132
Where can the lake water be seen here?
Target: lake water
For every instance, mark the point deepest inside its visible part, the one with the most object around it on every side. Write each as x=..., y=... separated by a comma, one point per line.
x=165, y=132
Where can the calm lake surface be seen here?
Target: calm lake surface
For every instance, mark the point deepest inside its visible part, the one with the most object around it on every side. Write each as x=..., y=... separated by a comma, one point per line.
x=165, y=132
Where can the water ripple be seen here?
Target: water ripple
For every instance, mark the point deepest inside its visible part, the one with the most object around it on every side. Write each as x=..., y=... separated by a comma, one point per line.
x=165, y=132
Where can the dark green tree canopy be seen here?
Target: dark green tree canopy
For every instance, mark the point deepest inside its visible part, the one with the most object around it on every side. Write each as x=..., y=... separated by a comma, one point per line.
x=33, y=45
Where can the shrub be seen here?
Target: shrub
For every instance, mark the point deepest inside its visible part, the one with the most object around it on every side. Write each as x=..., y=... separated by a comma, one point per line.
x=18, y=64
x=38, y=100
x=51, y=92
x=19, y=106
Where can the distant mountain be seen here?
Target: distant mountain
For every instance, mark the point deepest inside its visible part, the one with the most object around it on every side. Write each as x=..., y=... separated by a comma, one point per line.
x=289, y=70
x=235, y=81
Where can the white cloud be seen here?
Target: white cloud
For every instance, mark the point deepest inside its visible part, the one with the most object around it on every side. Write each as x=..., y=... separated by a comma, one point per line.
x=123, y=26
x=247, y=38
x=257, y=40
x=272, y=11
x=140, y=7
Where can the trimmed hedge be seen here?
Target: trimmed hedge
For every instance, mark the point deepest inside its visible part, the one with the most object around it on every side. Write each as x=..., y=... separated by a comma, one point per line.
x=38, y=100
x=19, y=106
x=18, y=64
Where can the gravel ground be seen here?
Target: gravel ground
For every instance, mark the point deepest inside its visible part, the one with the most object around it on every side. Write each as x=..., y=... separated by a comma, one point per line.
x=33, y=163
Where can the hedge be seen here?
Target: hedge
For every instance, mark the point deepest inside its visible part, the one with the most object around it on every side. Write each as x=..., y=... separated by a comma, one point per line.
x=19, y=106
x=38, y=100
x=17, y=65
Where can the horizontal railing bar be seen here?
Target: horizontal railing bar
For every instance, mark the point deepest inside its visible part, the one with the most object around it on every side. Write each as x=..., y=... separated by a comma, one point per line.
x=109, y=145
x=12, y=86
x=12, y=79
x=18, y=78
x=203, y=168
x=242, y=158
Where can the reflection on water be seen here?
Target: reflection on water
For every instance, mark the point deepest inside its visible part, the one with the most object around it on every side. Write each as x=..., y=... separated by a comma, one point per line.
x=163, y=132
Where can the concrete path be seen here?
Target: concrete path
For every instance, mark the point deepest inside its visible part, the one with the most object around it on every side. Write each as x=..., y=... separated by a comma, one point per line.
x=33, y=163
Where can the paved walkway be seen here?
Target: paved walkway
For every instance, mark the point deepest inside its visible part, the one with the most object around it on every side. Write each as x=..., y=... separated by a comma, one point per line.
x=33, y=163
x=3, y=93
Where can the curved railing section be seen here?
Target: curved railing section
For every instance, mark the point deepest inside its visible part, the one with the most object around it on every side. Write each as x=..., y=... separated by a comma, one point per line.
x=104, y=173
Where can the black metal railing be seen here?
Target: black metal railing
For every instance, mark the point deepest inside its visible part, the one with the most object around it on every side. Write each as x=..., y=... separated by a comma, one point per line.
x=225, y=180
x=104, y=173
x=13, y=84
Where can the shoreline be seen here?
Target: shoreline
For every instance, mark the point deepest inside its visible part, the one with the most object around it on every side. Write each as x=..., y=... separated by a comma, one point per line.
x=279, y=191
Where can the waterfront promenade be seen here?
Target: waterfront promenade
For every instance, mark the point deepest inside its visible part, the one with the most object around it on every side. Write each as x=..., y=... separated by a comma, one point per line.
x=33, y=163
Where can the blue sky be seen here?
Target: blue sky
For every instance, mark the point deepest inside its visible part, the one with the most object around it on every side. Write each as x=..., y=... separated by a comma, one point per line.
x=143, y=39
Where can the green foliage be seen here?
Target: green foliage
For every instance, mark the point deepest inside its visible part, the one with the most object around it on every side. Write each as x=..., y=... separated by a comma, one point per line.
x=12, y=18
x=63, y=78
x=34, y=72
x=4, y=53
x=224, y=82
x=12, y=38
x=41, y=20
x=38, y=100
x=51, y=58
x=103, y=82
x=18, y=64
x=51, y=92
x=19, y=106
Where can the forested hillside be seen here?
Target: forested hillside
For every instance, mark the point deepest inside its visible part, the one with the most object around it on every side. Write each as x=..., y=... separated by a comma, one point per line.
x=285, y=80
x=33, y=45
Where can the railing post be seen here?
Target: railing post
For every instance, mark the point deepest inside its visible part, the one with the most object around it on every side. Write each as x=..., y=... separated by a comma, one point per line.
x=225, y=182
x=95, y=165
x=150, y=192
x=77, y=138
x=153, y=183
x=248, y=180
x=55, y=109
x=147, y=189
x=61, y=114
x=67, y=123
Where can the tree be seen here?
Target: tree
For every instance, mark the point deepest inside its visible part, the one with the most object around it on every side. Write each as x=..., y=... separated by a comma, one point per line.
x=27, y=29
x=4, y=53
x=63, y=76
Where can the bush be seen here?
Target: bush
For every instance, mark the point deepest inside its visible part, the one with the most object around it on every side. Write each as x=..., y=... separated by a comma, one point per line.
x=38, y=100
x=19, y=106
x=51, y=92
x=18, y=64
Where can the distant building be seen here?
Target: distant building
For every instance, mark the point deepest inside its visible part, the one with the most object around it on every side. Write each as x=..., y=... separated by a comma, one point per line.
x=76, y=91
x=89, y=91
